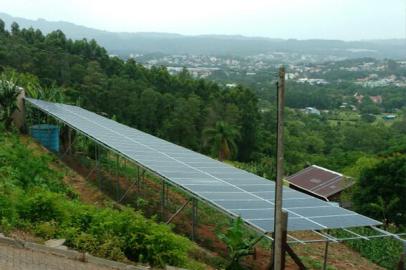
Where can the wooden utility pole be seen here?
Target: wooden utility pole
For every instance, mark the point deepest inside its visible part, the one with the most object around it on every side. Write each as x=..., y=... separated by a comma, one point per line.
x=278, y=250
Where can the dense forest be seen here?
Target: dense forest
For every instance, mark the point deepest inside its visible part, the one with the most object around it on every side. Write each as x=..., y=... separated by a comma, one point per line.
x=226, y=123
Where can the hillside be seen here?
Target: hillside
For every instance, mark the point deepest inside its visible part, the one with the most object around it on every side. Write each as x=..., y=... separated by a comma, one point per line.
x=124, y=44
x=42, y=198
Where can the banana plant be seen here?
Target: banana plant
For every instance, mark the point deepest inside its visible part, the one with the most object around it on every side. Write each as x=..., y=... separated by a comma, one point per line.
x=9, y=92
x=238, y=243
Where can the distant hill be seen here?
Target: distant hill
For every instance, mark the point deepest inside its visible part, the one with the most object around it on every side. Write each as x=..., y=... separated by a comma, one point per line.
x=122, y=43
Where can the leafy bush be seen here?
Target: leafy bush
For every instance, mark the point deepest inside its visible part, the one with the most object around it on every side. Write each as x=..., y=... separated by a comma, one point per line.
x=42, y=206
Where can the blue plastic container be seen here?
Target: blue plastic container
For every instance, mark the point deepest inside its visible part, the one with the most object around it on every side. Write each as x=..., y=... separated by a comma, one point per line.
x=47, y=135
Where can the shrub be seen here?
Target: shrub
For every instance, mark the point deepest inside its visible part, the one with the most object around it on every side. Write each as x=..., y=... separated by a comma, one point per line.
x=111, y=248
x=46, y=229
x=42, y=206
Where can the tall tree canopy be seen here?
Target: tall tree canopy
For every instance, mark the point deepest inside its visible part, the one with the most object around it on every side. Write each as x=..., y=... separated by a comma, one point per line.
x=382, y=189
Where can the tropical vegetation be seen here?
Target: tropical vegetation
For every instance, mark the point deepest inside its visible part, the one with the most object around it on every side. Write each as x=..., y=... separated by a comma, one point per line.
x=228, y=123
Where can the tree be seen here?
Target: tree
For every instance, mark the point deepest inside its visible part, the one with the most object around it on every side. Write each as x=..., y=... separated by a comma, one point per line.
x=8, y=100
x=381, y=190
x=15, y=28
x=368, y=118
x=148, y=110
x=2, y=26
x=94, y=86
x=247, y=103
x=368, y=107
x=222, y=139
x=183, y=123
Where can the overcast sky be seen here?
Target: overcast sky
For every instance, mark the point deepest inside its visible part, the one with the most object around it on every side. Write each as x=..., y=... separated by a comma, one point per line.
x=302, y=19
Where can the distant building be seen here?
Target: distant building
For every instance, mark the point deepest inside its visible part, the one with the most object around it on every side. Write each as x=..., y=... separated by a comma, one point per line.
x=358, y=97
x=319, y=182
x=389, y=117
x=313, y=81
x=290, y=76
x=311, y=110
x=376, y=99
x=231, y=85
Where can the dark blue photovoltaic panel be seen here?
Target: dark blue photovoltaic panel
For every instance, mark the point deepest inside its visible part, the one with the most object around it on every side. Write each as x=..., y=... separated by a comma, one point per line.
x=234, y=191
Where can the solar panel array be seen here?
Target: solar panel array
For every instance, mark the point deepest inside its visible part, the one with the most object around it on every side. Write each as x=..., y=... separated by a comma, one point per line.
x=234, y=191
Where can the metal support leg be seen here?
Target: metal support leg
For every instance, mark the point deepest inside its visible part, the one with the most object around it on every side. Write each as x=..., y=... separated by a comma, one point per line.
x=128, y=190
x=141, y=179
x=162, y=200
x=117, y=178
x=96, y=157
x=138, y=180
x=194, y=218
x=178, y=211
x=69, y=150
x=166, y=195
x=325, y=254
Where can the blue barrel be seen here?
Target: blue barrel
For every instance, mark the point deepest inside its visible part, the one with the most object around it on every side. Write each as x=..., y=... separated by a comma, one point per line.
x=47, y=135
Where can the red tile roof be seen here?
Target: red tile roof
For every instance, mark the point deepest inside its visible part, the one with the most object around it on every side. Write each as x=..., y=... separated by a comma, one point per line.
x=319, y=181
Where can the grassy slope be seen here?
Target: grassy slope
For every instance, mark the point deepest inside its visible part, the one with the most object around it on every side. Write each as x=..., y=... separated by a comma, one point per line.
x=41, y=199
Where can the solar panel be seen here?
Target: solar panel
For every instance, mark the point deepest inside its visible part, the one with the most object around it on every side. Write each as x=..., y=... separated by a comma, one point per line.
x=234, y=191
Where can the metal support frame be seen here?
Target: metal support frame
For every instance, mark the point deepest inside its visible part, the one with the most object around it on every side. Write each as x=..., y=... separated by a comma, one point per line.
x=295, y=258
x=401, y=264
x=140, y=179
x=194, y=218
x=127, y=191
x=178, y=211
x=194, y=215
x=117, y=177
x=97, y=160
x=325, y=255
x=162, y=204
x=356, y=234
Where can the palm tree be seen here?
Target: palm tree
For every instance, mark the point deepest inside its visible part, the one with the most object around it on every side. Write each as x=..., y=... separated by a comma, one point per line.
x=222, y=139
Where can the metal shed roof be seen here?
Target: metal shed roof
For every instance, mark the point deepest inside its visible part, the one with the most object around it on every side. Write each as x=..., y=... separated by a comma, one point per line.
x=319, y=181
